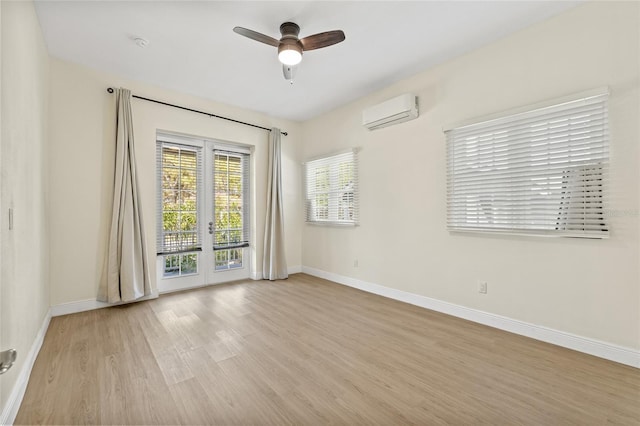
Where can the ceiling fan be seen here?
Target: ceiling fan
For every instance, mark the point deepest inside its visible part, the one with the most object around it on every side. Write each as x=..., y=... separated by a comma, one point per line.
x=290, y=47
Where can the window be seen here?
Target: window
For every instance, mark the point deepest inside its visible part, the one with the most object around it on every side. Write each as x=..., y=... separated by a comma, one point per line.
x=541, y=171
x=178, y=236
x=332, y=189
x=231, y=209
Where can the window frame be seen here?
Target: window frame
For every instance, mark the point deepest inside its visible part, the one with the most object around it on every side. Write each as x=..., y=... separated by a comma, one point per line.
x=521, y=186
x=162, y=250
x=334, y=193
x=233, y=250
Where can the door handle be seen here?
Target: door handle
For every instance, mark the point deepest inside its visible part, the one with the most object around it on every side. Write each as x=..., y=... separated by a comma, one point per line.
x=7, y=358
x=211, y=227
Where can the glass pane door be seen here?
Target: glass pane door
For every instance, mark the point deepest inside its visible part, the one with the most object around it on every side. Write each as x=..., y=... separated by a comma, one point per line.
x=202, y=213
x=230, y=204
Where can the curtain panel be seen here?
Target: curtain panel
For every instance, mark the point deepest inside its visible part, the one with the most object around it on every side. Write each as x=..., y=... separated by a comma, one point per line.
x=274, y=263
x=125, y=274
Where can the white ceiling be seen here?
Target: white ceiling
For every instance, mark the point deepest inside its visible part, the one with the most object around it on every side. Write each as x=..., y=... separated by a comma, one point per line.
x=192, y=48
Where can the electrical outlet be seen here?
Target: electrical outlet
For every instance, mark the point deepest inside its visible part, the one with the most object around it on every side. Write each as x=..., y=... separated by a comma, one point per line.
x=355, y=263
x=482, y=287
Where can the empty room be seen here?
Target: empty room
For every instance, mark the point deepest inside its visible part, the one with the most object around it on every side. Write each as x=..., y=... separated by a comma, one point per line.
x=319, y=212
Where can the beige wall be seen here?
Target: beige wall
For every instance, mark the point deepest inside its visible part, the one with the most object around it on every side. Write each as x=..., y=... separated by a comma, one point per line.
x=57, y=168
x=587, y=287
x=23, y=153
x=81, y=172
x=56, y=151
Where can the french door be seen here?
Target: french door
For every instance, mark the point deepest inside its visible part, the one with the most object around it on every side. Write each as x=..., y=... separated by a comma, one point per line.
x=203, y=223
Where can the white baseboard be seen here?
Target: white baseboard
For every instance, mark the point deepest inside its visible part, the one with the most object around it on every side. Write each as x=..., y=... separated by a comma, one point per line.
x=10, y=410
x=88, y=305
x=627, y=356
x=257, y=275
x=594, y=347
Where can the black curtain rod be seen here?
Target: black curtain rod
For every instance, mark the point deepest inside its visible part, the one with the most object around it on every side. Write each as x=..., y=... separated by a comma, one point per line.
x=110, y=90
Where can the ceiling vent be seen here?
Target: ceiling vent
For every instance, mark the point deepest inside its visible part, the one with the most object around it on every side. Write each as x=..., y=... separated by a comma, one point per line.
x=394, y=111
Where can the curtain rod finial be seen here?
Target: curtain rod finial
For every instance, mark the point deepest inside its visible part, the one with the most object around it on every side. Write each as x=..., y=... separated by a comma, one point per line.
x=110, y=89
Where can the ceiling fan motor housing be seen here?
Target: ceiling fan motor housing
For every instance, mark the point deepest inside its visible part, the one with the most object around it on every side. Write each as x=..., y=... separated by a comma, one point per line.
x=290, y=41
x=289, y=29
x=289, y=44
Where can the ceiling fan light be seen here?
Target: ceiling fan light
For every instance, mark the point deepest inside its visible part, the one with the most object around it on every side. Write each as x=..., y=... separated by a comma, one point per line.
x=290, y=54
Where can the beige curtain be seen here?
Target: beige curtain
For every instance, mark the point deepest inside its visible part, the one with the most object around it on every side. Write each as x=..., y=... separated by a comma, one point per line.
x=126, y=272
x=274, y=264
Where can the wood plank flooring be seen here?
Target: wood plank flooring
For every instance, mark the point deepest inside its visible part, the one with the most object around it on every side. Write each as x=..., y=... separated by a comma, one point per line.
x=308, y=351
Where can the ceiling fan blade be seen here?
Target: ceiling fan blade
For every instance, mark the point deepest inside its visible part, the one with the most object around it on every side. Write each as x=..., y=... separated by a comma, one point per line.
x=319, y=40
x=254, y=35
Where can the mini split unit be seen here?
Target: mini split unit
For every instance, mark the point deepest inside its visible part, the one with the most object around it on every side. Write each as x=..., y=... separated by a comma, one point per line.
x=397, y=110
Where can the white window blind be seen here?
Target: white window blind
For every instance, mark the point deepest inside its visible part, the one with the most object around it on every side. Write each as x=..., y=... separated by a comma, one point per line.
x=331, y=187
x=179, y=176
x=542, y=171
x=231, y=199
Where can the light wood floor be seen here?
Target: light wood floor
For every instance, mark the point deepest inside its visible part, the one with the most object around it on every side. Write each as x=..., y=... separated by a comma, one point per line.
x=307, y=351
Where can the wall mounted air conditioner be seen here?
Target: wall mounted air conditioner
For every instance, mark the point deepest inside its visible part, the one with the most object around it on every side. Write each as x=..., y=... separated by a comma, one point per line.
x=394, y=111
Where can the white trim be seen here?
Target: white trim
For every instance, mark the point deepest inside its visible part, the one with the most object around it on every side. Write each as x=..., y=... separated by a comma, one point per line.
x=185, y=286
x=179, y=140
x=89, y=304
x=232, y=147
x=354, y=149
x=612, y=352
x=294, y=269
x=10, y=410
x=530, y=233
x=257, y=275
x=331, y=223
x=604, y=90
x=199, y=141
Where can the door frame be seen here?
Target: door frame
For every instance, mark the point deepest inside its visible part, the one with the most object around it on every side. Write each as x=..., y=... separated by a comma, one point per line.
x=206, y=275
